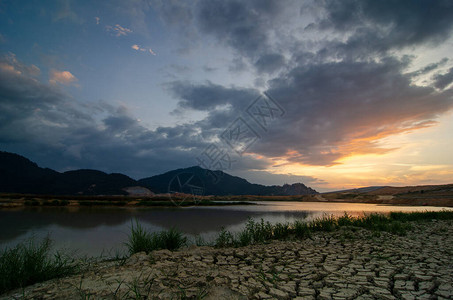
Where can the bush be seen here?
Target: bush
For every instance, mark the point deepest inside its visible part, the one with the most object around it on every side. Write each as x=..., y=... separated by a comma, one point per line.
x=325, y=223
x=172, y=239
x=243, y=238
x=281, y=231
x=345, y=220
x=224, y=239
x=301, y=229
x=31, y=262
x=142, y=240
x=260, y=232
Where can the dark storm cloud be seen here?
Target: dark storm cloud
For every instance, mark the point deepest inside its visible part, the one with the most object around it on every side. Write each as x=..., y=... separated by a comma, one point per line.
x=46, y=125
x=357, y=29
x=373, y=28
x=338, y=109
x=342, y=107
x=243, y=25
x=332, y=109
x=270, y=63
x=210, y=96
x=179, y=14
x=391, y=23
x=441, y=81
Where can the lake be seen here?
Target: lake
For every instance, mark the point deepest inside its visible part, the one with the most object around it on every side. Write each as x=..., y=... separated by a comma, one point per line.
x=96, y=231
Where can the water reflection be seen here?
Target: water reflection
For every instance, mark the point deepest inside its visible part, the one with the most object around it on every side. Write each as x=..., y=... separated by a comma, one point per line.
x=93, y=229
x=197, y=220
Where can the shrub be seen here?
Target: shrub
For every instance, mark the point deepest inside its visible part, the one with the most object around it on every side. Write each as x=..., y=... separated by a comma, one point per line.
x=30, y=262
x=224, y=239
x=244, y=238
x=325, y=223
x=172, y=239
x=142, y=240
x=281, y=231
x=301, y=229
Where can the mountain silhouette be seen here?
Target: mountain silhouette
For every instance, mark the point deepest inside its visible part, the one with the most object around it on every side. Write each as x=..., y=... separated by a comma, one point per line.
x=20, y=175
x=218, y=183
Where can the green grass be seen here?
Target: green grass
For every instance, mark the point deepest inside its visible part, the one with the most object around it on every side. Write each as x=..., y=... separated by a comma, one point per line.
x=142, y=240
x=263, y=232
x=31, y=262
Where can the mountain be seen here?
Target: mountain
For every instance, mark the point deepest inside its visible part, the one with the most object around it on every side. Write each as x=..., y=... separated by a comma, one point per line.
x=435, y=195
x=397, y=191
x=361, y=190
x=20, y=175
x=216, y=183
x=92, y=182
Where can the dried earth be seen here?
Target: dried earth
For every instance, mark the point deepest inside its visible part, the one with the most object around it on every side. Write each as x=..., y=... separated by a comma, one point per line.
x=345, y=264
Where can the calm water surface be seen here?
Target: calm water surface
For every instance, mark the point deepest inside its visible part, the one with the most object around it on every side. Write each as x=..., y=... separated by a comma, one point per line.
x=96, y=231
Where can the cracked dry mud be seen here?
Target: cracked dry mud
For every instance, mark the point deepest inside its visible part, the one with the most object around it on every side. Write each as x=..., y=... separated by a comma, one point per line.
x=338, y=265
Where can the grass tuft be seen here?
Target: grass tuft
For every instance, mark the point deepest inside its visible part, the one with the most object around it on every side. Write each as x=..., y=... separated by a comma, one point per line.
x=142, y=240
x=262, y=232
x=31, y=262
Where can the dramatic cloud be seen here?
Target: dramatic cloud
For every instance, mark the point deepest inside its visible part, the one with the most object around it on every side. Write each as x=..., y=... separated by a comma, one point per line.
x=270, y=63
x=333, y=110
x=443, y=80
x=65, y=134
x=389, y=24
x=346, y=96
x=210, y=96
x=347, y=73
x=243, y=25
x=63, y=77
x=341, y=109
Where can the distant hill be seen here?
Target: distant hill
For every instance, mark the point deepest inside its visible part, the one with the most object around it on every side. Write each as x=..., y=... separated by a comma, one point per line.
x=20, y=175
x=226, y=185
x=437, y=195
x=394, y=190
x=92, y=182
x=418, y=189
x=358, y=190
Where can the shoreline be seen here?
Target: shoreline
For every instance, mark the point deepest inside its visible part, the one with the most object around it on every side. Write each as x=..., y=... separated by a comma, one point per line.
x=347, y=263
x=9, y=201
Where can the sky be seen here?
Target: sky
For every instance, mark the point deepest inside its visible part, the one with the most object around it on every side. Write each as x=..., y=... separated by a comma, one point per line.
x=334, y=94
